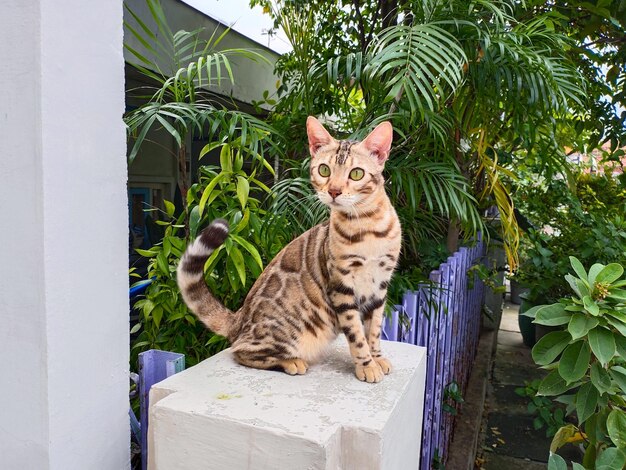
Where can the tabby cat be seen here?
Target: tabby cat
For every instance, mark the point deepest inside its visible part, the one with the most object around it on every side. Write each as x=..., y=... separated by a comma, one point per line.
x=331, y=279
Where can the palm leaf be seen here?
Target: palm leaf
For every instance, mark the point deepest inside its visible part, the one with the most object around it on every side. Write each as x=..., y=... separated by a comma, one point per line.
x=437, y=186
x=424, y=61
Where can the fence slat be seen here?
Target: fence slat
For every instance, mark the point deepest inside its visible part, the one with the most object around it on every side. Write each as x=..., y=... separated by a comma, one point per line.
x=425, y=340
x=409, y=304
x=444, y=317
x=390, y=325
x=450, y=322
x=154, y=366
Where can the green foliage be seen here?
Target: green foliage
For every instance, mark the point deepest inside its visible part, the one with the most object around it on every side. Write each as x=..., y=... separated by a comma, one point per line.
x=547, y=413
x=590, y=223
x=294, y=205
x=438, y=460
x=452, y=398
x=587, y=361
x=466, y=88
x=229, y=192
x=165, y=322
x=489, y=276
x=601, y=194
x=405, y=279
x=182, y=66
x=598, y=28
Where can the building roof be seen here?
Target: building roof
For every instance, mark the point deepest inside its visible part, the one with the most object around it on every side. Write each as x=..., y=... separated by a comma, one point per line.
x=250, y=22
x=594, y=161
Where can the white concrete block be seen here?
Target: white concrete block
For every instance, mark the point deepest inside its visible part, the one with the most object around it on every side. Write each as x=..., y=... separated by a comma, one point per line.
x=220, y=415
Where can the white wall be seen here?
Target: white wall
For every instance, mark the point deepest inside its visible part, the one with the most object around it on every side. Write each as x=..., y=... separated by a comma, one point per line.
x=63, y=295
x=23, y=429
x=251, y=22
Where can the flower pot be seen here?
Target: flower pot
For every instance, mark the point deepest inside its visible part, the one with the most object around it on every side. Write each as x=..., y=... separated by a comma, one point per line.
x=542, y=330
x=526, y=325
x=493, y=300
x=516, y=290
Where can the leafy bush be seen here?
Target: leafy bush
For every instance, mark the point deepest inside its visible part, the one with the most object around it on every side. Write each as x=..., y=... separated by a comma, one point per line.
x=547, y=413
x=590, y=223
x=179, y=69
x=465, y=88
x=229, y=192
x=587, y=363
x=601, y=194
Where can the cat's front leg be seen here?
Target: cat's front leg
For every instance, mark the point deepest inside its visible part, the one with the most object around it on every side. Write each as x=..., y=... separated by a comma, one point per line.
x=373, y=337
x=349, y=317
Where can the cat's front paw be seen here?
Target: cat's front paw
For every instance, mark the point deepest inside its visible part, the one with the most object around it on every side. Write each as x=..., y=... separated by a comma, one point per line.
x=371, y=373
x=384, y=364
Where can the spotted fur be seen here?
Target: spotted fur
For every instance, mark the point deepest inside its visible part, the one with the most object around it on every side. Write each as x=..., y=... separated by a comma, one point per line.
x=332, y=279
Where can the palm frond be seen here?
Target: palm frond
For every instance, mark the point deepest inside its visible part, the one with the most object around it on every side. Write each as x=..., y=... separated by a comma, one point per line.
x=255, y=136
x=497, y=190
x=526, y=66
x=424, y=62
x=438, y=186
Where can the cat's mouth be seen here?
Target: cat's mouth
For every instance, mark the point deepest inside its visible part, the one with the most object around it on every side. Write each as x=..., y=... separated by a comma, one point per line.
x=335, y=204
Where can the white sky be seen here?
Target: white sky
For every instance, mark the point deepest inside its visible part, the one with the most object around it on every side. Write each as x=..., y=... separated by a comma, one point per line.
x=250, y=22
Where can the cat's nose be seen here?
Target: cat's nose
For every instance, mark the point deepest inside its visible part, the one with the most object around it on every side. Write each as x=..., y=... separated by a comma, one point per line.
x=334, y=193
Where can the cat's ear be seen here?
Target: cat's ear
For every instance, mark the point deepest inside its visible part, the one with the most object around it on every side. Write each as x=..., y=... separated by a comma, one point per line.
x=318, y=135
x=378, y=142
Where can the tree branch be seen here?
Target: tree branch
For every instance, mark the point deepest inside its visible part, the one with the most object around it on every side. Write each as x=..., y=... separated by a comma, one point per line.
x=374, y=20
x=390, y=12
x=359, y=17
x=605, y=40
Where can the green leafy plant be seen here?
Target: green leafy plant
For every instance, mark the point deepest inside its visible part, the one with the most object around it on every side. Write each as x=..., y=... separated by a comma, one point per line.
x=229, y=192
x=547, y=413
x=438, y=461
x=182, y=69
x=489, y=276
x=468, y=88
x=587, y=360
x=452, y=398
x=586, y=217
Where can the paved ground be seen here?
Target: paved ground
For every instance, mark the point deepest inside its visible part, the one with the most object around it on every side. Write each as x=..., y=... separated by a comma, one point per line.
x=508, y=440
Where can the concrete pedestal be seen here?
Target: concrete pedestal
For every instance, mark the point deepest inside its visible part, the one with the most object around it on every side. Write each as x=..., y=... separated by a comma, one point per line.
x=220, y=415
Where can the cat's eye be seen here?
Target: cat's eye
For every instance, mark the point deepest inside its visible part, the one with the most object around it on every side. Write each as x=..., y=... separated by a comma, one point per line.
x=324, y=170
x=357, y=174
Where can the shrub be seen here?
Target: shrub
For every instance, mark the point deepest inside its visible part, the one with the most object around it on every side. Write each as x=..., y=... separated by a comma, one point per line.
x=229, y=192
x=547, y=412
x=587, y=363
x=589, y=223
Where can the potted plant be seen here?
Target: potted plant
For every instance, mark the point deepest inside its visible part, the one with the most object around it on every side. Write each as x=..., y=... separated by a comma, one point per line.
x=587, y=363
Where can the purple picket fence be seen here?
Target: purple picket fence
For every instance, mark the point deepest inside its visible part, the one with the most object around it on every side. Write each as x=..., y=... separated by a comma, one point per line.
x=444, y=317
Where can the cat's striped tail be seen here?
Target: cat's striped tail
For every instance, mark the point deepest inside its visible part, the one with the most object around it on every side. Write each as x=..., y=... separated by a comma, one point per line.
x=190, y=276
